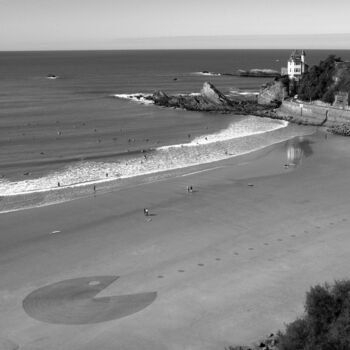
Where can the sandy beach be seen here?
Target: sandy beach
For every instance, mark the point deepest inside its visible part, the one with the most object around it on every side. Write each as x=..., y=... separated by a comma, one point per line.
x=224, y=265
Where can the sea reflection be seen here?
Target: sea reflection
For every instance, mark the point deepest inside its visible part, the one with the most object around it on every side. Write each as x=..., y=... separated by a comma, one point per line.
x=297, y=149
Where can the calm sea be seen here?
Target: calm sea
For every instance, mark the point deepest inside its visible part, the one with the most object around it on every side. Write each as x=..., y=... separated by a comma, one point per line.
x=69, y=131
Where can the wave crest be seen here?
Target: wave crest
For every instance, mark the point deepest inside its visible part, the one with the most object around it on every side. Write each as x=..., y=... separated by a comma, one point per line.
x=232, y=141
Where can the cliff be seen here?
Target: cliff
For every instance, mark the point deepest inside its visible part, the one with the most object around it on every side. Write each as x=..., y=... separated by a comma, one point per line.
x=273, y=91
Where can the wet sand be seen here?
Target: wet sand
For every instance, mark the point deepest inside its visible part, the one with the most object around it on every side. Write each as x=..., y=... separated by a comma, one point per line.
x=229, y=263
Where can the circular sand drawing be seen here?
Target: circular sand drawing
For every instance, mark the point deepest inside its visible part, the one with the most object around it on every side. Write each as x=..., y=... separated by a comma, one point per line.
x=73, y=302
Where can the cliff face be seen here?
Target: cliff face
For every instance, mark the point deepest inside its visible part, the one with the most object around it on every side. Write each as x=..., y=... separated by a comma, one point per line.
x=272, y=92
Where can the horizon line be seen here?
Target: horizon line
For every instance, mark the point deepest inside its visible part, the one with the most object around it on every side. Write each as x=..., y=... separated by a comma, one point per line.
x=320, y=41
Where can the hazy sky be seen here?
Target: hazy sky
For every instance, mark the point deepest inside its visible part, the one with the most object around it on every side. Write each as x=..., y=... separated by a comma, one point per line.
x=114, y=24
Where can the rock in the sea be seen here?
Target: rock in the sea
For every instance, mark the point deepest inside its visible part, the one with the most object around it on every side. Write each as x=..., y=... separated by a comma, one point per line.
x=212, y=95
x=258, y=73
x=160, y=97
x=51, y=76
x=210, y=99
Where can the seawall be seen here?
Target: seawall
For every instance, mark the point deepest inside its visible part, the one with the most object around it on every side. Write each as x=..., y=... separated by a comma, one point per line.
x=306, y=113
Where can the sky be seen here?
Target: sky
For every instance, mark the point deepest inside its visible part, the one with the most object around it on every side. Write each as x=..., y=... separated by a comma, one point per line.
x=172, y=24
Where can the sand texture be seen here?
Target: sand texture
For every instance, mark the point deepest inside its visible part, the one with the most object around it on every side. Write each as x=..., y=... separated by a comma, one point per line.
x=223, y=265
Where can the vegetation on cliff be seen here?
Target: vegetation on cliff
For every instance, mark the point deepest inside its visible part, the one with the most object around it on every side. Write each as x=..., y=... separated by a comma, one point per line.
x=323, y=81
x=326, y=324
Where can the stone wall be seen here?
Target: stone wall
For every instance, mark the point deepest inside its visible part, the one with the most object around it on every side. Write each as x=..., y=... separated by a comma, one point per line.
x=314, y=114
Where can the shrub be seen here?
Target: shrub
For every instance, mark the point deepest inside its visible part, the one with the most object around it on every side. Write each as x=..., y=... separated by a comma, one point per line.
x=326, y=323
x=295, y=336
x=318, y=83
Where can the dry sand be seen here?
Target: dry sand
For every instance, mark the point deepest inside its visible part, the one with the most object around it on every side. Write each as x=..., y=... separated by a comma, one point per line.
x=229, y=263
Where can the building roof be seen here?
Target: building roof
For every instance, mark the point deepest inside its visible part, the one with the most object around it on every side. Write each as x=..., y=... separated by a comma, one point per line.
x=296, y=56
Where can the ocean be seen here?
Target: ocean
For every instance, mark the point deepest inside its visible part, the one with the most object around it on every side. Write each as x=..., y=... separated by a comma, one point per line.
x=78, y=130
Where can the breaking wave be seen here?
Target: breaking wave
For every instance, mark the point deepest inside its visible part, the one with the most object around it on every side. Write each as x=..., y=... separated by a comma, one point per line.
x=244, y=93
x=138, y=97
x=238, y=138
x=210, y=74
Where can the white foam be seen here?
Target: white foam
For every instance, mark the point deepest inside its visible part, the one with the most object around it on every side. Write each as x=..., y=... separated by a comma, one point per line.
x=201, y=150
x=248, y=126
x=138, y=97
x=211, y=74
x=244, y=93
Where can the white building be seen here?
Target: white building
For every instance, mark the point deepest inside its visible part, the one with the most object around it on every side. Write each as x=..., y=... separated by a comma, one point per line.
x=296, y=65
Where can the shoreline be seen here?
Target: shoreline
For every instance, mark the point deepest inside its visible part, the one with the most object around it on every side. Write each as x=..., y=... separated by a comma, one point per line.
x=75, y=191
x=230, y=262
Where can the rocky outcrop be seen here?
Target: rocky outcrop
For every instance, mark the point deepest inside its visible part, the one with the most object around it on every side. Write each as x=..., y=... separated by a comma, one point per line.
x=269, y=105
x=272, y=92
x=342, y=129
x=210, y=99
x=160, y=98
x=258, y=73
x=213, y=96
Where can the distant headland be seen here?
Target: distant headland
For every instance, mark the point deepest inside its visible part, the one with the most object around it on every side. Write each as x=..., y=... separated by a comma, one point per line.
x=311, y=96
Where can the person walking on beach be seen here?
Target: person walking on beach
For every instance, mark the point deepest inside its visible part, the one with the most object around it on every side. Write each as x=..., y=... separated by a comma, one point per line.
x=145, y=212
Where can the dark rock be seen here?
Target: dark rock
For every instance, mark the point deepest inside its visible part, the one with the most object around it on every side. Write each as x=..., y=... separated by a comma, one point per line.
x=160, y=98
x=210, y=99
x=258, y=73
x=52, y=76
x=212, y=95
x=342, y=129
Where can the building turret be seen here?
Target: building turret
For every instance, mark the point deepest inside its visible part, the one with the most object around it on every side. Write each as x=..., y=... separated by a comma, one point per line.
x=296, y=65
